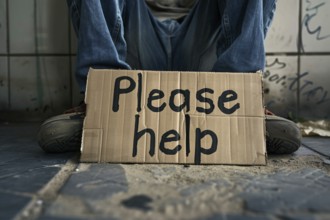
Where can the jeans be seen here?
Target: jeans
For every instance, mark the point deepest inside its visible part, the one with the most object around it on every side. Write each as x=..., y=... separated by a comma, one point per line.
x=217, y=35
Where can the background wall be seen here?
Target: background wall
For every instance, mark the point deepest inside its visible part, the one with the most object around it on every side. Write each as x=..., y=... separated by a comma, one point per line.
x=297, y=79
x=37, y=54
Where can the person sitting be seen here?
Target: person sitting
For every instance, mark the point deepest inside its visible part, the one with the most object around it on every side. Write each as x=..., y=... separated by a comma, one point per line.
x=173, y=35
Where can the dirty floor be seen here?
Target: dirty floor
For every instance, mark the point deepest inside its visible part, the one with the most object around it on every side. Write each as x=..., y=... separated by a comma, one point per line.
x=35, y=185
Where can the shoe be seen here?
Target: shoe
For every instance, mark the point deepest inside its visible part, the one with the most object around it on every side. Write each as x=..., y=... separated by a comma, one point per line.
x=62, y=133
x=282, y=135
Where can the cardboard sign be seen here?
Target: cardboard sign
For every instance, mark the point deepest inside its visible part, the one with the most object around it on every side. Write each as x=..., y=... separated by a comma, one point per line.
x=174, y=117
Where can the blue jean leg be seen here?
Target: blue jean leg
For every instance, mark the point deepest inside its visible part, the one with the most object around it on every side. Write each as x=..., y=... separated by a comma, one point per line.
x=100, y=32
x=194, y=42
x=222, y=35
x=146, y=47
x=244, y=25
x=116, y=34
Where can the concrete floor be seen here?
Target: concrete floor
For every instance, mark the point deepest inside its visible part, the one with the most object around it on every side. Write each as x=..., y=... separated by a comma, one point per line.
x=35, y=185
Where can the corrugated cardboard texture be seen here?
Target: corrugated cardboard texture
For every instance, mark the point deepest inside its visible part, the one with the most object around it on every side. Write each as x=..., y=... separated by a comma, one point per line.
x=174, y=117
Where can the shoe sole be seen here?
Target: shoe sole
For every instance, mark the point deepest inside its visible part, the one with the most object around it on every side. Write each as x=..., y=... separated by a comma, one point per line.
x=61, y=133
x=282, y=136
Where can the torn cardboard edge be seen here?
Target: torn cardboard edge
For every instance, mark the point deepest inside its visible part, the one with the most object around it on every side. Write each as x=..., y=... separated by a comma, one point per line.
x=138, y=116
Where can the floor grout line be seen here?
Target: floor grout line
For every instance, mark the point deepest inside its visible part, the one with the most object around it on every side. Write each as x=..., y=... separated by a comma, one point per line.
x=324, y=156
x=45, y=196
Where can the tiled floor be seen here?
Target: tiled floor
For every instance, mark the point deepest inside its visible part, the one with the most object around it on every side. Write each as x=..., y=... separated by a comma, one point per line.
x=35, y=185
